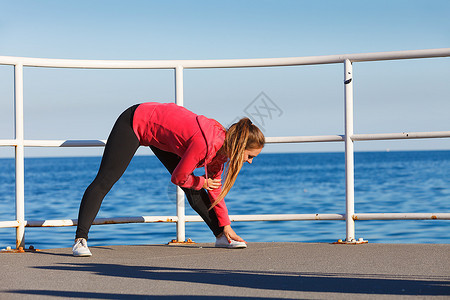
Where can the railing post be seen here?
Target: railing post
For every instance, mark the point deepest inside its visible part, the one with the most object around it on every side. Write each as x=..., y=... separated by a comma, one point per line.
x=181, y=223
x=349, y=153
x=20, y=157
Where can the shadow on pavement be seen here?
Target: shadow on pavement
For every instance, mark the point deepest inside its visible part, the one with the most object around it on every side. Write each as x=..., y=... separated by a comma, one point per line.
x=267, y=280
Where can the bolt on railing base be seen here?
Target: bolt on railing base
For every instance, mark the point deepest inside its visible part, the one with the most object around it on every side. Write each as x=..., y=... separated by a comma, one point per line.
x=351, y=242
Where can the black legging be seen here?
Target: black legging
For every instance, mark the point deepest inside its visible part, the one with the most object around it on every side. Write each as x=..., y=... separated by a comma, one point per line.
x=119, y=150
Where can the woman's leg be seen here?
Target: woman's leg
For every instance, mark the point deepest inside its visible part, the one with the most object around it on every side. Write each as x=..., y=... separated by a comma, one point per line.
x=198, y=200
x=119, y=150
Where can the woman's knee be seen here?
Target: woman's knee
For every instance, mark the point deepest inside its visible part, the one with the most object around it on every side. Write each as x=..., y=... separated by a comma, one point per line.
x=102, y=185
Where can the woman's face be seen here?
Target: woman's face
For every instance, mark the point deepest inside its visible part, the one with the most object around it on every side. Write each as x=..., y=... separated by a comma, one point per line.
x=250, y=154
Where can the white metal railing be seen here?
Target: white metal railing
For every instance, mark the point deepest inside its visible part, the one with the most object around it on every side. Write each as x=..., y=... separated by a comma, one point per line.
x=178, y=66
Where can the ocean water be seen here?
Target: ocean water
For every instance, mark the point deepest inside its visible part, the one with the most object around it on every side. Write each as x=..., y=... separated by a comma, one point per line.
x=416, y=181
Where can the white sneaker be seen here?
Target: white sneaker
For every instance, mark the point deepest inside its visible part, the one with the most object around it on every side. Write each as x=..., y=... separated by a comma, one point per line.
x=80, y=248
x=222, y=242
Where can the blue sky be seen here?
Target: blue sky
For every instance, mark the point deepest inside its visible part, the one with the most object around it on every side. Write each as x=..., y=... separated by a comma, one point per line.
x=396, y=96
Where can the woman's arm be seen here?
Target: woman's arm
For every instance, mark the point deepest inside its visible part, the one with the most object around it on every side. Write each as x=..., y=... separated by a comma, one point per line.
x=221, y=209
x=182, y=175
x=213, y=194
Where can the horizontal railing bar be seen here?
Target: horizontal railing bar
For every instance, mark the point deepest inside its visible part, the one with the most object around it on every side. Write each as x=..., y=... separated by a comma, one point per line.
x=401, y=216
x=55, y=143
x=8, y=143
x=171, y=219
x=305, y=139
x=103, y=221
x=97, y=221
x=398, y=136
x=270, y=140
x=221, y=63
x=287, y=217
x=9, y=224
x=235, y=218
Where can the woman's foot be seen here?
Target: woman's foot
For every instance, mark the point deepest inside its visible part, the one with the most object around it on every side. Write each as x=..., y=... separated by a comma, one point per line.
x=80, y=248
x=222, y=242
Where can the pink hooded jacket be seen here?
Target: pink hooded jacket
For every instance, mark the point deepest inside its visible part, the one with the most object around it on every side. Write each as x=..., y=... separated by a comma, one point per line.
x=196, y=139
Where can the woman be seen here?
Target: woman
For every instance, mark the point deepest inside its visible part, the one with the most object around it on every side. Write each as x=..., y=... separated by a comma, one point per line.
x=182, y=141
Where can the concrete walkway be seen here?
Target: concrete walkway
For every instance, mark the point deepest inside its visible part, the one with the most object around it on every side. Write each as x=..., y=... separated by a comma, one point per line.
x=262, y=271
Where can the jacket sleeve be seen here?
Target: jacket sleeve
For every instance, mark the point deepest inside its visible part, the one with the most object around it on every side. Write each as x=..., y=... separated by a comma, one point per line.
x=221, y=208
x=182, y=175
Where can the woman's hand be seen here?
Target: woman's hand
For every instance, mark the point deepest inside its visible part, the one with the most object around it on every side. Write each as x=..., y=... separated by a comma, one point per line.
x=212, y=184
x=231, y=235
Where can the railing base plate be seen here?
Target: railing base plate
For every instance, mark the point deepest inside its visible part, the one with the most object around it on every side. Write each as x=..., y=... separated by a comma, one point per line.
x=19, y=250
x=181, y=243
x=352, y=242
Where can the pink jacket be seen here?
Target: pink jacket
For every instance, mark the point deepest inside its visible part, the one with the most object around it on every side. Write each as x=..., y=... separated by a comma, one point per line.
x=196, y=139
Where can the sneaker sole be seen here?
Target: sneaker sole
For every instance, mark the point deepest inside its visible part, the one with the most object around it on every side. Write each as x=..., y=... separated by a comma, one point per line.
x=230, y=247
x=82, y=255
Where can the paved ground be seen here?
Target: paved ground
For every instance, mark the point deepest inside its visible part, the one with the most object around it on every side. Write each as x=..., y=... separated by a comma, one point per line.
x=262, y=271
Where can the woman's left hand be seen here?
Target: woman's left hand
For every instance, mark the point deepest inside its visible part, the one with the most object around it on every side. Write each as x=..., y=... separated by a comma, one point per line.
x=212, y=184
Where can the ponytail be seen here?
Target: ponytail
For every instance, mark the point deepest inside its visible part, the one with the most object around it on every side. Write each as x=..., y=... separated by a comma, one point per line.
x=241, y=136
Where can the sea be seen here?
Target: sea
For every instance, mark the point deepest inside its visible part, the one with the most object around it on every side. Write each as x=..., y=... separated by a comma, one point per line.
x=285, y=183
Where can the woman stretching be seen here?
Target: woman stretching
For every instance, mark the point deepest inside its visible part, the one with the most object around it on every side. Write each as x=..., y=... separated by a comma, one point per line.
x=182, y=141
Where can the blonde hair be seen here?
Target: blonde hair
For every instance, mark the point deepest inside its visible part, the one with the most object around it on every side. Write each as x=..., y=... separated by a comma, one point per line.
x=243, y=135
